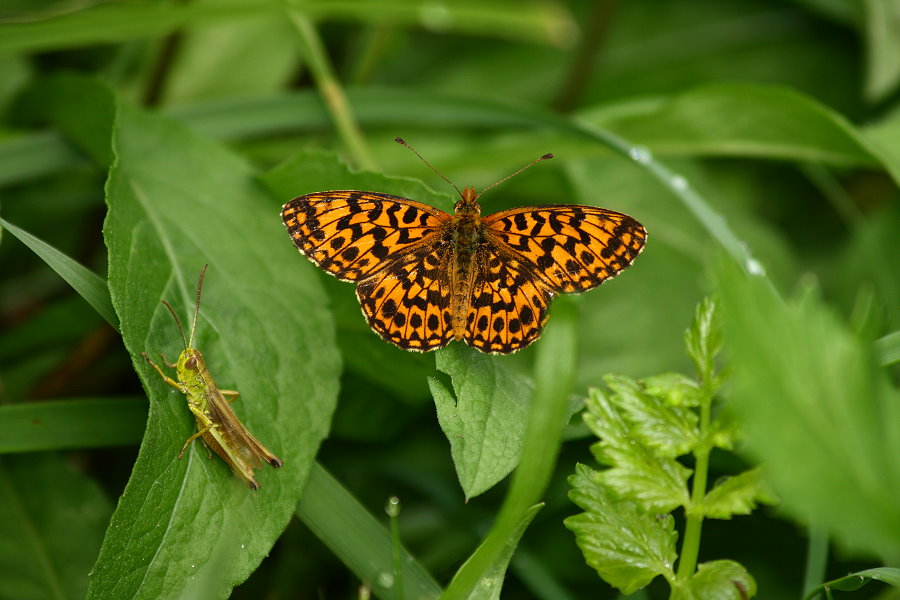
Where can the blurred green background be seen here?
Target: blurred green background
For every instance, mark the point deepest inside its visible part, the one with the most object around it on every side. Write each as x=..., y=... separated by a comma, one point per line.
x=782, y=115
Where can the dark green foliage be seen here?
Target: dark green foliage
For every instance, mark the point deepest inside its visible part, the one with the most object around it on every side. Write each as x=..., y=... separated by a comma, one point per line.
x=754, y=139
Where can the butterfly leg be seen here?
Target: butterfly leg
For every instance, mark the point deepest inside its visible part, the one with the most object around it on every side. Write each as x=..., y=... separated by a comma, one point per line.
x=175, y=384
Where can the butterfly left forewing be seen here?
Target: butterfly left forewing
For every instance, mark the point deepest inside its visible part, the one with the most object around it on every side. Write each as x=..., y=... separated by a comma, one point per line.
x=353, y=234
x=571, y=248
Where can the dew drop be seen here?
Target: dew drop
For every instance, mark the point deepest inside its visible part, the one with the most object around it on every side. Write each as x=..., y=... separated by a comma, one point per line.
x=640, y=154
x=754, y=267
x=679, y=183
x=385, y=579
x=392, y=506
x=436, y=15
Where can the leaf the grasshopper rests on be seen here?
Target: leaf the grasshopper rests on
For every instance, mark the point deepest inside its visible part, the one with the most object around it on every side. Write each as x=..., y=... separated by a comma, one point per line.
x=217, y=424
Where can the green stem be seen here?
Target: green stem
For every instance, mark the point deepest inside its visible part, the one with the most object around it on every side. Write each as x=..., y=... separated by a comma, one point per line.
x=690, y=548
x=816, y=559
x=331, y=91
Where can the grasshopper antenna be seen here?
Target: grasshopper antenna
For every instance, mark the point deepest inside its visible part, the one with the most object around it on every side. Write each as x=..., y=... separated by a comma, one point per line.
x=402, y=142
x=177, y=321
x=537, y=160
x=197, y=307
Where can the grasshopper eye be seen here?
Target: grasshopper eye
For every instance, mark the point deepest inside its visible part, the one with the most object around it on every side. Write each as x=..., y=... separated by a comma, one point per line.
x=191, y=363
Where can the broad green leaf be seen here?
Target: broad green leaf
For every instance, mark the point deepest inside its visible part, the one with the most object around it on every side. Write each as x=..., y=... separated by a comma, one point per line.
x=774, y=123
x=635, y=472
x=51, y=525
x=716, y=580
x=79, y=423
x=881, y=24
x=363, y=351
x=627, y=546
x=554, y=373
x=735, y=495
x=666, y=430
x=818, y=410
x=84, y=281
x=484, y=418
x=177, y=202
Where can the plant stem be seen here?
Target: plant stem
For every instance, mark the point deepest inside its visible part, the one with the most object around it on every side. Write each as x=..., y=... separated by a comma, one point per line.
x=816, y=559
x=690, y=548
x=331, y=91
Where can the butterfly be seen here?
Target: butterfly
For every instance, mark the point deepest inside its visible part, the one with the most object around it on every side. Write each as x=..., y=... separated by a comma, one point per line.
x=425, y=277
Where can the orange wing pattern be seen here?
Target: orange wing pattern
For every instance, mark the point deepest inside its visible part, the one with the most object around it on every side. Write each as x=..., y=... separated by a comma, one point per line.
x=408, y=303
x=572, y=248
x=508, y=303
x=353, y=235
x=425, y=277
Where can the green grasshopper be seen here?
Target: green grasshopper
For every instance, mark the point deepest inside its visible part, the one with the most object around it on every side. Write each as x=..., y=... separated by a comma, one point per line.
x=217, y=425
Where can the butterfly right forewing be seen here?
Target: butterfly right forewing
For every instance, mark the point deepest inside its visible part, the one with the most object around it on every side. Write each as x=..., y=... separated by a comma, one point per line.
x=353, y=234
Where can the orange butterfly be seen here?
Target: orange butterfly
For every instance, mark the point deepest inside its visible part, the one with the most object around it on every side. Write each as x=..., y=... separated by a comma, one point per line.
x=425, y=277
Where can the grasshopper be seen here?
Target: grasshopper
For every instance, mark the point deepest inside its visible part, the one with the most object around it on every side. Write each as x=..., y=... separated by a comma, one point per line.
x=217, y=425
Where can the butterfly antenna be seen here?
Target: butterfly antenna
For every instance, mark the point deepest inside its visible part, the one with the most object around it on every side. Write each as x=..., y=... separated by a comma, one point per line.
x=177, y=321
x=402, y=142
x=537, y=160
x=197, y=306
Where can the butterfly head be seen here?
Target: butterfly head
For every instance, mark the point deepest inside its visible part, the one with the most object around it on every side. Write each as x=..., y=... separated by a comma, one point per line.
x=467, y=205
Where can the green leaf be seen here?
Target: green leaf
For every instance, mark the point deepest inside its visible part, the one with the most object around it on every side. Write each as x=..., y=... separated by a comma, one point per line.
x=627, y=546
x=51, y=525
x=636, y=471
x=666, y=430
x=818, y=410
x=774, y=122
x=882, y=20
x=486, y=421
x=177, y=202
x=90, y=286
x=735, y=495
x=854, y=581
x=716, y=580
x=63, y=424
x=889, y=348
x=704, y=339
x=492, y=578
x=554, y=373
x=674, y=389
x=106, y=23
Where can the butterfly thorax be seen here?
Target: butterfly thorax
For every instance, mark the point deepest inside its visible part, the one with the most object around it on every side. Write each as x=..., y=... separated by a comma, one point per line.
x=192, y=373
x=467, y=237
